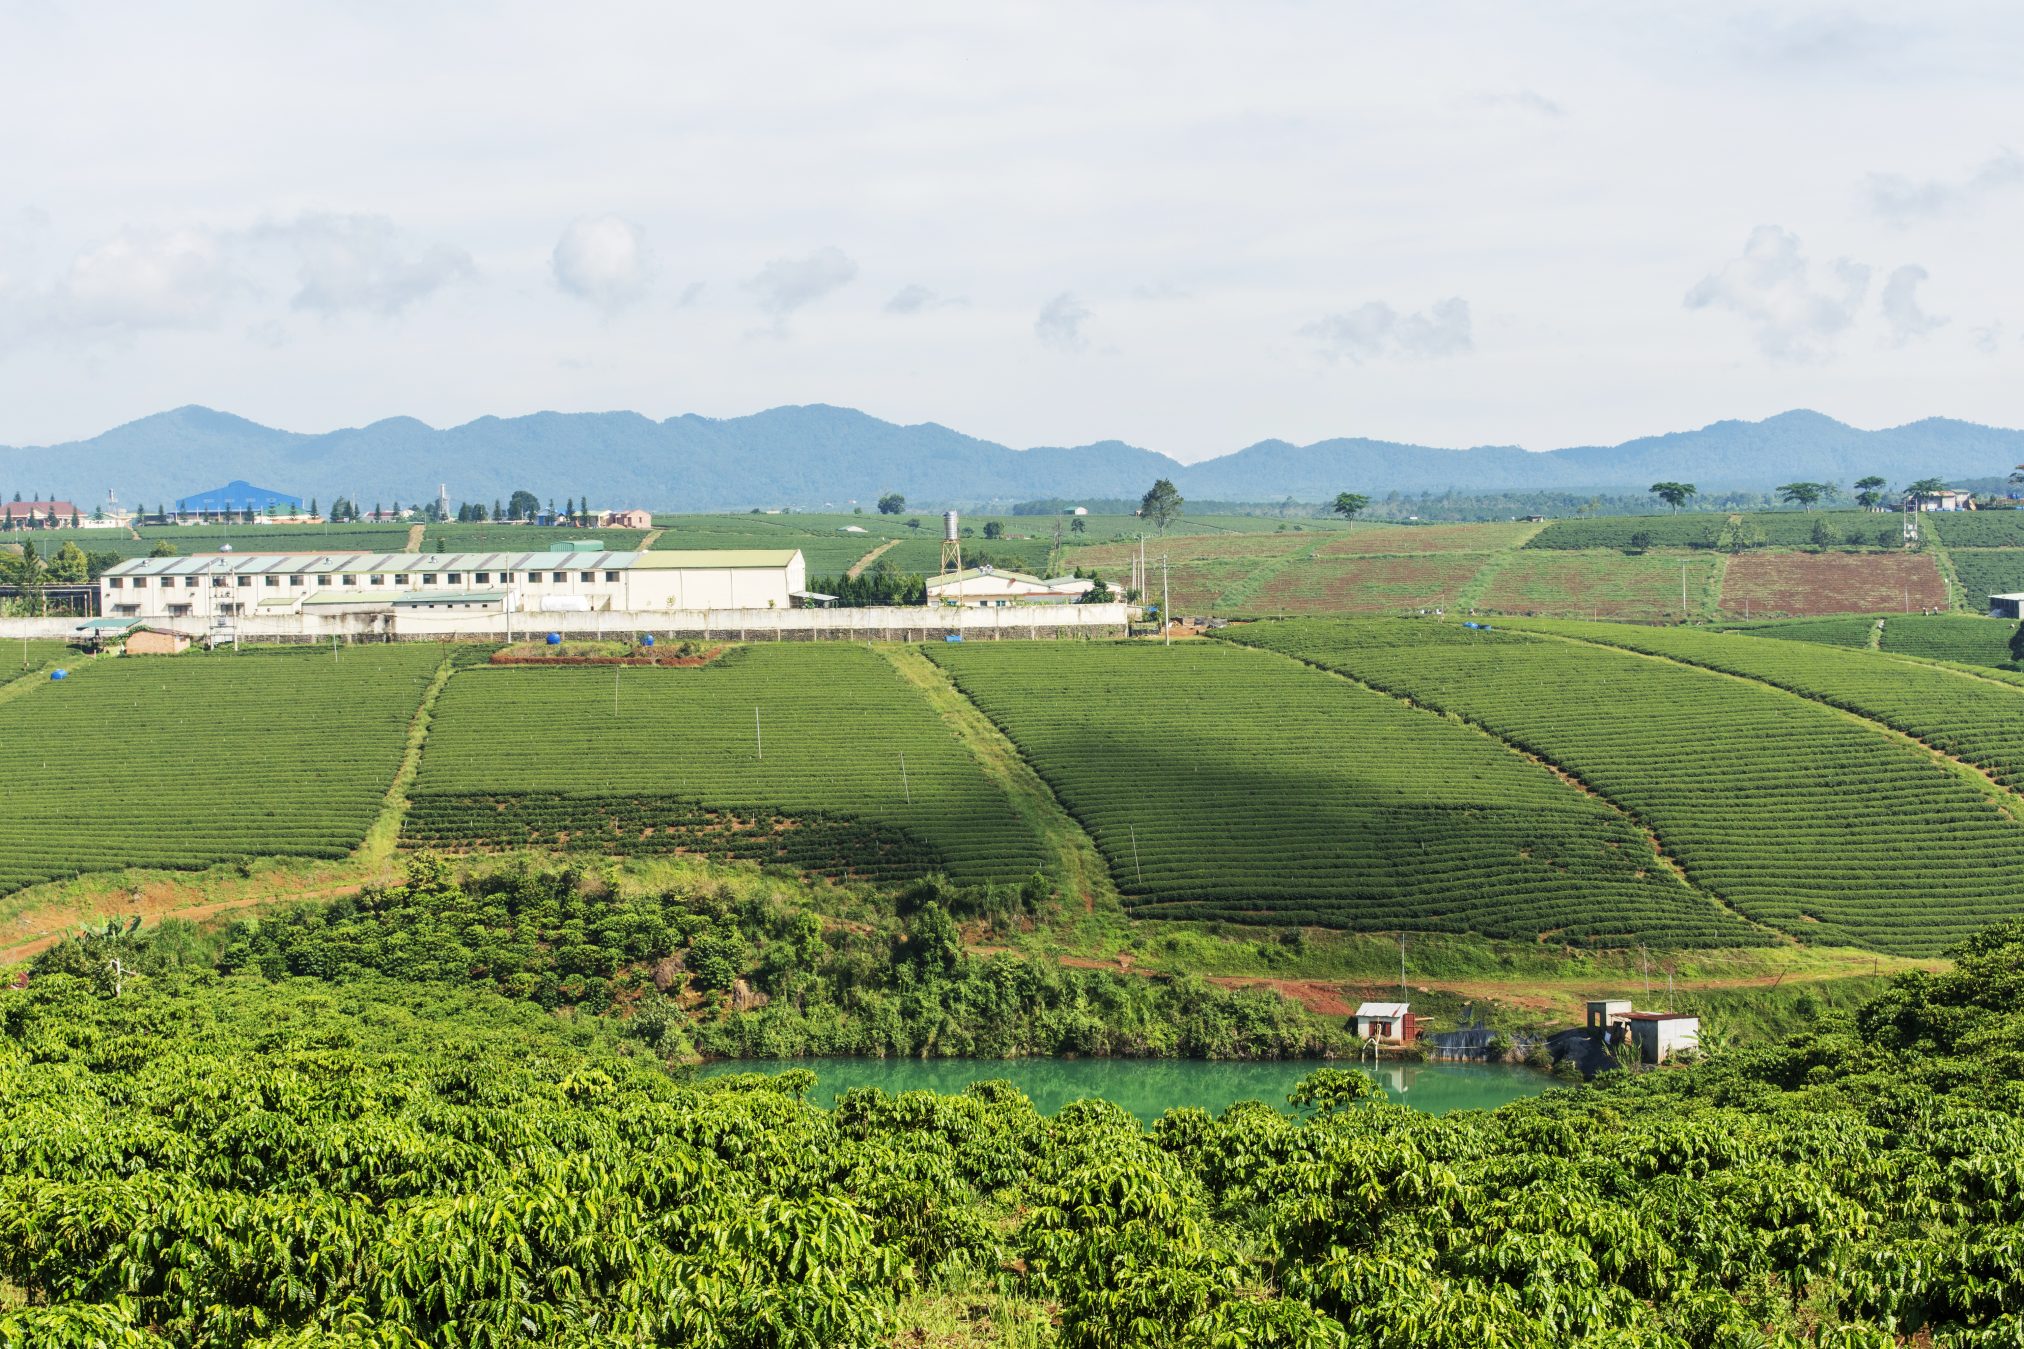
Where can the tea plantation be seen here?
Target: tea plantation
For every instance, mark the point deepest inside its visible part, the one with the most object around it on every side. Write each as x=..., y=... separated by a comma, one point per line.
x=1225, y=783
x=195, y=760
x=847, y=771
x=1795, y=814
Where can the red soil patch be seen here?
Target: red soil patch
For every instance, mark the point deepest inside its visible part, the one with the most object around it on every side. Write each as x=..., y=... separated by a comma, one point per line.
x=1798, y=584
x=1483, y=538
x=1317, y=996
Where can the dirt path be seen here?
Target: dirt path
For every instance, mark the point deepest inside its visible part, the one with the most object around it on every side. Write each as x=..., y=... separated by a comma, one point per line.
x=153, y=903
x=414, y=544
x=857, y=568
x=1074, y=856
x=650, y=538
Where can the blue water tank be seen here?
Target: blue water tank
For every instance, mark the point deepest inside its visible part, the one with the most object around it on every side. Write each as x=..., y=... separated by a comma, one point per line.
x=555, y=639
x=647, y=640
x=953, y=637
x=59, y=674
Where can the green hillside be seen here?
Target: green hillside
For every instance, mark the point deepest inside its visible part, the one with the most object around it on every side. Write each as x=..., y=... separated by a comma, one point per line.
x=1225, y=783
x=811, y=755
x=184, y=762
x=1787, y=809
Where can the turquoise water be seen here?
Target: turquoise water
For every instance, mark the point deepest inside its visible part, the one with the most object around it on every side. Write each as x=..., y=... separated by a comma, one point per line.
x=1150, y=1087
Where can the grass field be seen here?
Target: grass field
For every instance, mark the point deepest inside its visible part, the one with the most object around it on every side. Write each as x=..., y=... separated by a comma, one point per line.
x=1767, y=584
x=1712, y=529
x=183, y=762
x=1987, y=571
x=1976, y=529
x=1611, y=585
x=1225, y=783
x=1792, y=812
x=1965, y=639
x=1850, y=632
x=847, y=771
x=1489, y=537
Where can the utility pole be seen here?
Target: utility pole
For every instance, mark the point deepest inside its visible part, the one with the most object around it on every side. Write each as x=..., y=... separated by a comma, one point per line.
x=1683, y=590
x=1402, y=969
x=903, y=780
x=1166, y=619
x=1136, y=871
x=614, y=689
x=758, y=737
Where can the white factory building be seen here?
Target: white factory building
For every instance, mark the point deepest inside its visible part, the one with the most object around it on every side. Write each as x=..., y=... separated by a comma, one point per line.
x=583, y=578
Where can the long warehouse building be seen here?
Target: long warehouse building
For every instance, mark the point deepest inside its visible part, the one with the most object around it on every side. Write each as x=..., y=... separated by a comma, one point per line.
x=587, y=579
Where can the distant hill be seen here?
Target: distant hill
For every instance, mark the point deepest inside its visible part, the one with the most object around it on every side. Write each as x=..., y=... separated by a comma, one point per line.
x=818, y=455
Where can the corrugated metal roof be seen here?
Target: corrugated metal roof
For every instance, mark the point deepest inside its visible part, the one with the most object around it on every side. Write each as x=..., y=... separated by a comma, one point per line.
x=1383, y=1010
x=451, y=597
x=698, y=559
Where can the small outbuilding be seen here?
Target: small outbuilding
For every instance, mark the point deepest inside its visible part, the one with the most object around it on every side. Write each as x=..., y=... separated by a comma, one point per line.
x=1389, y=1023
x=2006, y=606
x=1660, y=1035
x=157, y=642
x=99, y=634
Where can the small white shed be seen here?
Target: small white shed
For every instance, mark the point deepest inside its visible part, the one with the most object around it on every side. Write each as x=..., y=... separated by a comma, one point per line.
x=1390, y=1023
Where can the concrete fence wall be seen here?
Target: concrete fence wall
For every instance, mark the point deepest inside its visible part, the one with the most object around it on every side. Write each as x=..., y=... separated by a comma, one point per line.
x=886, y=624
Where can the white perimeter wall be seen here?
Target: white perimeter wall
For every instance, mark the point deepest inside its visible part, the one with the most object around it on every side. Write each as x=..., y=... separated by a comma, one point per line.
x=895, y=623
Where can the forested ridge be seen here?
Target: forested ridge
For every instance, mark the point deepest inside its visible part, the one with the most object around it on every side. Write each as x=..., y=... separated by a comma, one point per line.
x=208, y=1144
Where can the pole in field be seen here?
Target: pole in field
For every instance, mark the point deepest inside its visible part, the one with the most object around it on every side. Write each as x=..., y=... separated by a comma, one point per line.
x=758, y=737
x=1136, y=871
x=903, y=780
x=1166, y=616
x=614, y=689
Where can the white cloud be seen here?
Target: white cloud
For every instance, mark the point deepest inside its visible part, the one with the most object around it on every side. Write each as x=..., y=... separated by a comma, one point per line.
x=910, y=299
x=361, y=263
x=138, y=279
x=1901, y=200
x=785, y=285
x=1060, y=323
x=1988, y=340
x=602, y=259
x=1374, y=330
x=1901, y=308
x=1771, y=287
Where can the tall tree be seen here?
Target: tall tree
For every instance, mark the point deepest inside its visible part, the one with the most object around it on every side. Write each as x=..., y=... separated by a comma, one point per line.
x=1161, y=503
x=1802, y=494
x=1869, y=492
x=892, y=503
x=1349, y=505
x=523, y=505
x=1675, y=494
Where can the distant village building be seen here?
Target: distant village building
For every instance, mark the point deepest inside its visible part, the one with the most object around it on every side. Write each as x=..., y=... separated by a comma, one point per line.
x=2007, y=606
x=1948, y=500
x=630, y=518
x=38, y=515
x=156, y=642
x=1391, y=1023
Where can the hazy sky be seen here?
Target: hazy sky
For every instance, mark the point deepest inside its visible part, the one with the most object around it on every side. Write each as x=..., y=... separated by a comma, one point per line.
x=1185, y=226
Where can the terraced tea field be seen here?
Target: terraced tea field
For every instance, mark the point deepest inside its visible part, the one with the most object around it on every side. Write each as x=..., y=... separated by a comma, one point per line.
x=1957, y=713
x=1987, y=571
x=1707, y=529
x=1964, y=639
x=189, y=761
x=1220, y=782
x=1767, y=584
x=1789, y=810
x=532, y=755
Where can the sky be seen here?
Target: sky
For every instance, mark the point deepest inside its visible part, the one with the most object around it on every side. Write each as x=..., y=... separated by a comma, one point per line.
x=1186, y=226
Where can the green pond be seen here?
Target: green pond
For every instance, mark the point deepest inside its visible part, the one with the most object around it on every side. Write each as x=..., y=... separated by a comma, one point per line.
x=1150, y=1087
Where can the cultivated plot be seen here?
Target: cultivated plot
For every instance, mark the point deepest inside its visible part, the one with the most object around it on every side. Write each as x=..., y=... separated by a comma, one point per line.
x=1832, y=583
x=1795, y=813
x=1608, y=585
x=1220, y=782
x=187, y=761
x=814, y=755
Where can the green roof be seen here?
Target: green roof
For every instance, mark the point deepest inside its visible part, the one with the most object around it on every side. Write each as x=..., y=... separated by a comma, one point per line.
x=109, y=625
x=451, y=597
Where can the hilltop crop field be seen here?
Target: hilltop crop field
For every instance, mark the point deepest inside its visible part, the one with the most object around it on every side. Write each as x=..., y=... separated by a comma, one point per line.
x=189, y=761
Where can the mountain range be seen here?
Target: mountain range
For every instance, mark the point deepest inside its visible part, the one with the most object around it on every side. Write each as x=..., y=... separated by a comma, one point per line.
x=820, y=455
